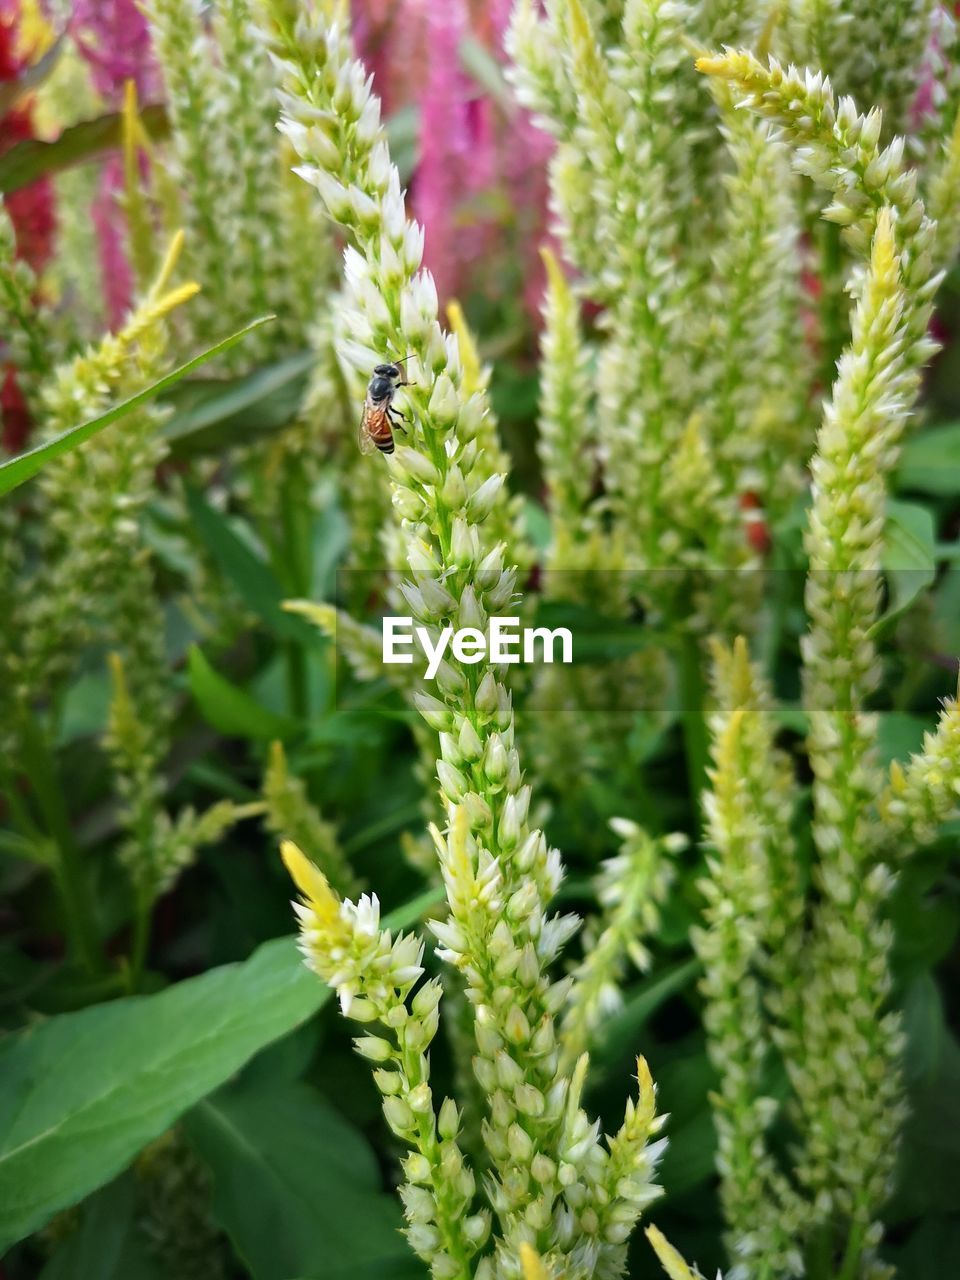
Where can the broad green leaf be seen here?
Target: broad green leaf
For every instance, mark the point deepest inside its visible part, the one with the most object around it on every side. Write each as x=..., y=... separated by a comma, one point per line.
x=244, y=570
x=930, y=462
x=220, y=414
x=81, y=1093
x=31, y=159
x=228, y=708
x=899, y=735
x=908, y=558
x=108, y=1243
x=925, y=1029
x=929, y=1164
x=689, y=1158
x=16, y=471
x=295, y=1187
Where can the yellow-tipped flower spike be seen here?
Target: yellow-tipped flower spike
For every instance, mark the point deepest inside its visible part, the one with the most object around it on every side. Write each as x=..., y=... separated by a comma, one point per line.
x=671, y=1261
x=135, y=140
x=473, y=379
x=311, y=882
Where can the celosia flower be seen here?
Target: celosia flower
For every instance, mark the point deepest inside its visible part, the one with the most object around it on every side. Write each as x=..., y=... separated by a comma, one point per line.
x=114, y=38
x=456, y=153
x=549, y=1170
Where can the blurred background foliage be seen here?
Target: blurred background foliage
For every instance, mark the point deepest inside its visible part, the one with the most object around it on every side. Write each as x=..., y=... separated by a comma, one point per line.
x=174, y=1108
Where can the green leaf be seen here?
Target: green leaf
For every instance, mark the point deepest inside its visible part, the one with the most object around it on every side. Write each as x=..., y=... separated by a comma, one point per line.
x=537, y=524
x=242, y=567
x=619, y=1034
x=480, y=64
x=403, y=135
x=595, y=638
x=219, y=414
x=295, y=1186
x=108, y=1244
x=909, y=557
x=230, y=709
x=32, y=158
x=82, y=1093
x=930, y=462
x=899, y=735
x=925, y=1029
x=16, y=471
x=689, y=1158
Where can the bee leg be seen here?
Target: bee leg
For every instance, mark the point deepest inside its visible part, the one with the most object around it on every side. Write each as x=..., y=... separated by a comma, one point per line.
x=397, y=419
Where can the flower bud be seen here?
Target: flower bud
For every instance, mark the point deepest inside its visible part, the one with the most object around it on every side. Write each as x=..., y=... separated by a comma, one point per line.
x=448, y=1121
x=468, y=742
x=420, y=1099
x=436, y=714
x=399, y=1116
x=486, y=697
x=471, y=613
x=454, y=492
x=528, y=1100
x=375, y=1048
x=482, y=499
x=444, y=405
x=520, y=1144
x=451, y=780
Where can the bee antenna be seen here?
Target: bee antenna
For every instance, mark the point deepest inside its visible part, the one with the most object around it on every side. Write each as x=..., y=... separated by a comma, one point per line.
x=404, y=359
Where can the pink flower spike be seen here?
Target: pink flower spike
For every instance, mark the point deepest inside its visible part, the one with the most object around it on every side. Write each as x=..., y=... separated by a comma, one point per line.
x=111, y=228
x=114, y=38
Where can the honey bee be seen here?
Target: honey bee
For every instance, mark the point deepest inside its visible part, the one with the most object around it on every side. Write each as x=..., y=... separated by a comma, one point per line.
x=379, y=415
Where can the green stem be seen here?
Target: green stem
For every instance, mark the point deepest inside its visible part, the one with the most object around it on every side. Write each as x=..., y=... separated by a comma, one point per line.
x=41, y=769
x=141, y=939
x=693, y=690
x=850, y=1265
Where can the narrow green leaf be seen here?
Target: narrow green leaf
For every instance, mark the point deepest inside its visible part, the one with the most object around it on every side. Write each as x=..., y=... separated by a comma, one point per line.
x=220, y=414
x=16, y=471
x=243, y=568
x=31, y=159
x=230, y=709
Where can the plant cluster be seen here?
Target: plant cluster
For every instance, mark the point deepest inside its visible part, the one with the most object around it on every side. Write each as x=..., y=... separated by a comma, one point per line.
x=712, y=854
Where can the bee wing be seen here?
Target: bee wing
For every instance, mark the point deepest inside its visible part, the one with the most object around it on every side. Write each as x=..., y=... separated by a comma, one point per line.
x=364, y=438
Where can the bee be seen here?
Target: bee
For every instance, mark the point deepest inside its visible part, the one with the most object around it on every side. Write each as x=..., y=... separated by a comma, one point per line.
x=379, y=415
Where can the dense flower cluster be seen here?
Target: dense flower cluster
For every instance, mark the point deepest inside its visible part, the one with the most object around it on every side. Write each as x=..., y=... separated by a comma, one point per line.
x=552, y=1181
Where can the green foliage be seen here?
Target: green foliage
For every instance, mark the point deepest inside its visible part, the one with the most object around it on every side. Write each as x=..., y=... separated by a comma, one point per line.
x=84, y=1092
x=757, y=835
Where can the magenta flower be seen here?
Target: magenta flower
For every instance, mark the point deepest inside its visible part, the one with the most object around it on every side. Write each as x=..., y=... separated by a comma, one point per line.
x=457, y=153
x=110, y=225
x=114, y=38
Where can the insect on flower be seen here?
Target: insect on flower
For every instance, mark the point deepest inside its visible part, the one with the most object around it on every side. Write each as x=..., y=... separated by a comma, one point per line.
x=379, y=415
